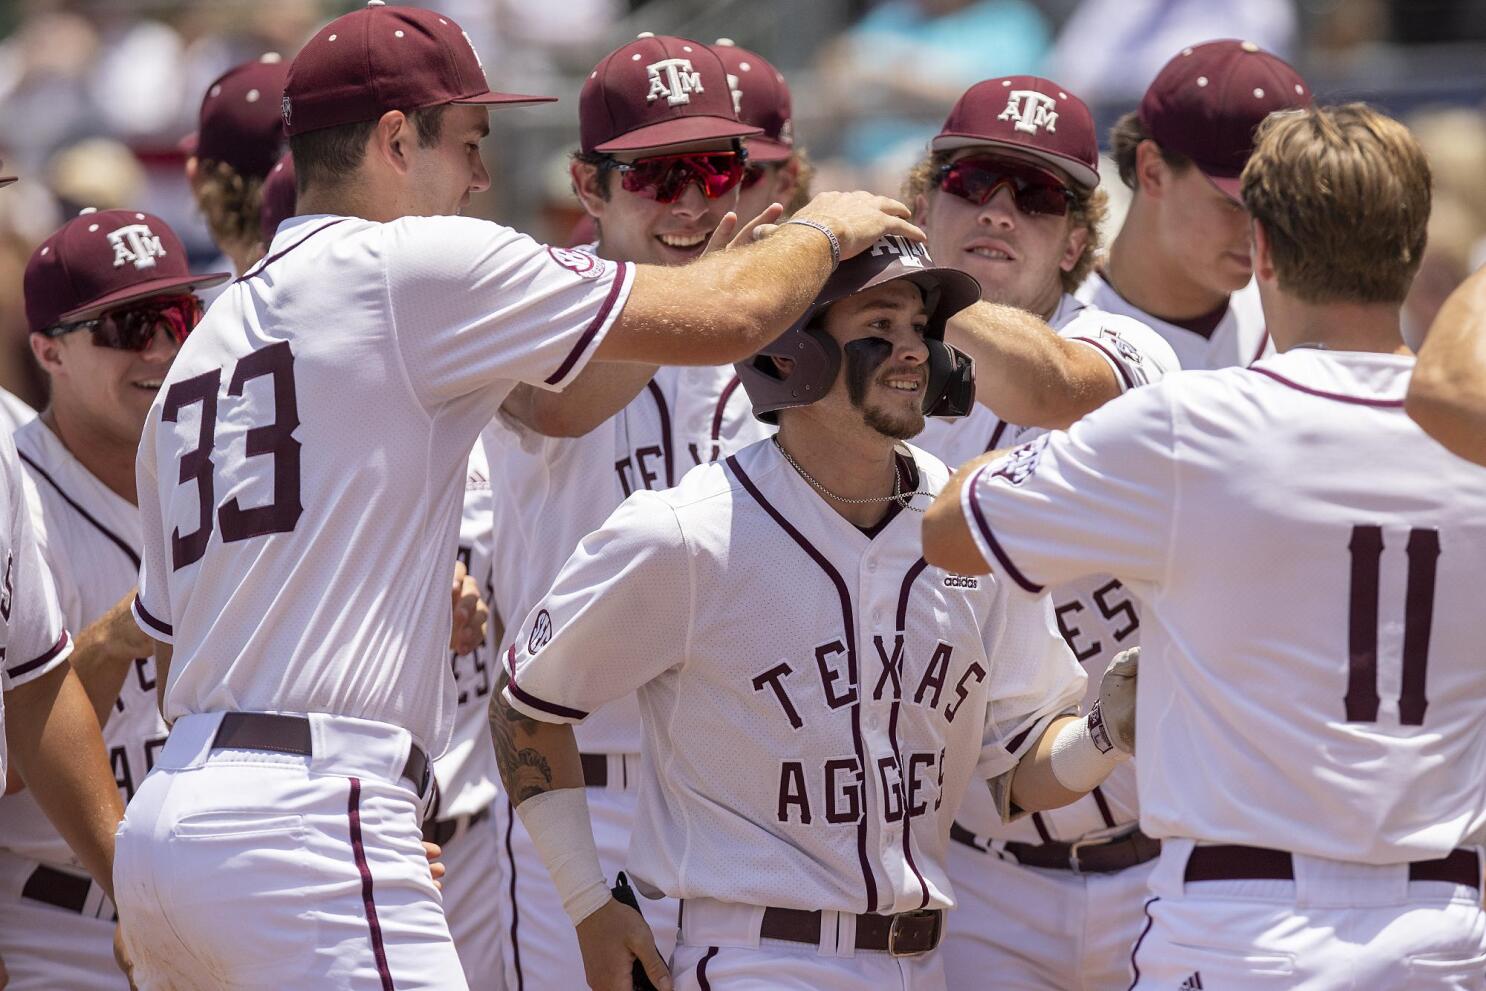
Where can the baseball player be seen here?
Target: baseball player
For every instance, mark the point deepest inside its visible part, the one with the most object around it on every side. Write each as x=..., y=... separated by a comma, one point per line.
x=551, y=491
x=1181, y=262
x=278, y=198
x=300, y=478
x=109, y=299
x=804, y=752
x=238, y=140
x=1447, y=393
x=1311, y=751
x=778, y=170
x=1009, y=190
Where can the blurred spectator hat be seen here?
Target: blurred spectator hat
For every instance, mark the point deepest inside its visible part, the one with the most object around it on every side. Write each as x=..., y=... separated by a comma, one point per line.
x=655, y=92
x=1207, y=102
x=242, y=122
x=760, y=98
x=101, y=259
x=279, y=196
x=381, y=58
x=1030, y=115
x=6, y=180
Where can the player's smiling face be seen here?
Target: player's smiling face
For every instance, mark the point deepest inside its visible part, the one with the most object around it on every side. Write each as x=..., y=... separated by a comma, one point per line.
x=885, y=365
x=1206, y=231
x=637, y=228
x=444, y=176
x=108, y=389
x=1017, y=257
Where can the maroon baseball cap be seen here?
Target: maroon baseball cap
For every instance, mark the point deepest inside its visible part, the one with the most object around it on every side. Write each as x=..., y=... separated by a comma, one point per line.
x=101, y=259
x=279, y=197
x=655, y=92
x=381, y=58
x=1030, y=115
x=242, y=121
x=1207, y=102
x=761, y=98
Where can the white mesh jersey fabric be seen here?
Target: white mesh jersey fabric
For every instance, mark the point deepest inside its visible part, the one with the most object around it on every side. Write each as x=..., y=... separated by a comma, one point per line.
x=360, y=361
x=815, y=702
x=1310, y=561
x=1239, y=339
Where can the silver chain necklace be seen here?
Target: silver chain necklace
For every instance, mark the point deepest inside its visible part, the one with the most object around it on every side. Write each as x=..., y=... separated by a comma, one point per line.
x=902, y=498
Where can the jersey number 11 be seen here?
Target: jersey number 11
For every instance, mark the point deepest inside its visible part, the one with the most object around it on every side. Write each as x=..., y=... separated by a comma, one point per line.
x=1423, y=552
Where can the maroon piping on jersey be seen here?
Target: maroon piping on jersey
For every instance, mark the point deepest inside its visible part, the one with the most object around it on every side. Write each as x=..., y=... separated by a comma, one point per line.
x=273, y=258
x=849, y=632
x=719, y=413
x=702, y=982
x=892, y=733
x=47, y=655
x=1135, y=967
x=551, y=708
x=118, y=541
x=985, y=531
x=666, y=448
x=593, y=328
x=1263, y=343
x=1337, y=396
x=158, y=624
x=515, y=912
x=358, y=851
x=996, y=434
x=1113, y=359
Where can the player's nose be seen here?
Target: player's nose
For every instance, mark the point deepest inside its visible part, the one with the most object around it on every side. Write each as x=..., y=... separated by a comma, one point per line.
x=692, y=202
x=162, y=347
x=480, y=178
x=1000, y=209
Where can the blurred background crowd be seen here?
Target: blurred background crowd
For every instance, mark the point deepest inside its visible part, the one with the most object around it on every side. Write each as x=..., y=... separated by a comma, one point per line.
x=96, y=95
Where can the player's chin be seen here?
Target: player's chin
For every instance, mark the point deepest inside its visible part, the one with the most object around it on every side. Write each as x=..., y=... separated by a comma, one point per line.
x=894, y=420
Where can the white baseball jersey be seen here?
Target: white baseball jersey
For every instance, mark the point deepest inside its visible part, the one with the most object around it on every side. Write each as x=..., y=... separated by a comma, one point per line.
x=300, y=472
x=1310, y=560
x=1240, y=338
x=466, y=773
x=550, y=492
x=33, y=638
x=88, y=536
x=815, y=700
x=14, y=411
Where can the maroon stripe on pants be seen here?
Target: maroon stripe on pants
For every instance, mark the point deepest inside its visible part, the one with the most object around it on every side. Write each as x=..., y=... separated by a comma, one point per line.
x=1135, y=967
x=515, y=912
x=353, y=812
x=702, y=981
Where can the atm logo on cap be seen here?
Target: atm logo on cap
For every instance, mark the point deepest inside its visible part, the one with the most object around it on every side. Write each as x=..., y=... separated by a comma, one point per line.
x=910, y=253
x=1031, y=110
x=135, y=243
x=673, y=79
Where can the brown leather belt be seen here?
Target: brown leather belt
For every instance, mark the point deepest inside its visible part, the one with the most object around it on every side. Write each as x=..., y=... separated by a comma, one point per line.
x=441, y=831
x=1229, y=862
x=906, y=934
x=291, y=735
x=58, y=889
x=1098, y=856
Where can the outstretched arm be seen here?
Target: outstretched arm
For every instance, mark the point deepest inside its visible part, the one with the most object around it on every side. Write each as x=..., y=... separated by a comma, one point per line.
x=601, y=390
x=1447, y=394
x=103, y=652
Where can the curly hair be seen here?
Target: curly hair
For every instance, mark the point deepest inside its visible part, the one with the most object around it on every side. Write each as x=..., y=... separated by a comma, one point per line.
x=230, y=202
x=1089, y=209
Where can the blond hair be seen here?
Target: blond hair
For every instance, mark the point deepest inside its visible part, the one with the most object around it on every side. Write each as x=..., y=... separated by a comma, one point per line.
x=1088, y=210
x=1343, y=195
x=230, y=202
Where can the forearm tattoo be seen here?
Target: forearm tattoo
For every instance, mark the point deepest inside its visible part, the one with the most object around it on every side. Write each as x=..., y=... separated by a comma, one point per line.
x=524, y=769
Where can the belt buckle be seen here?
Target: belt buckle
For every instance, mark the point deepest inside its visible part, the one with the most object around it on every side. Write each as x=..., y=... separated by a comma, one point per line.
x=894, y=932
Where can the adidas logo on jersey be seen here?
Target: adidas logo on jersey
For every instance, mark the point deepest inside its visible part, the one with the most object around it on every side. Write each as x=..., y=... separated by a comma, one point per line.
x=960, y=581
x=1193, y=983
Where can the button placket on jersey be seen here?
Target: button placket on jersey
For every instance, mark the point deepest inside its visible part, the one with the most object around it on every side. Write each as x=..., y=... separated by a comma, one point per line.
x=875, y=618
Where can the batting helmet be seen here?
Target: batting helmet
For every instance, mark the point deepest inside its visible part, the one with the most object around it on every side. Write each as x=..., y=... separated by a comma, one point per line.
x=816, y=356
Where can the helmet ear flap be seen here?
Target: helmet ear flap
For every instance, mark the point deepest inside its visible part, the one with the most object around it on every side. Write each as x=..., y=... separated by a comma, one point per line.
x=951, y=390
x=816, y=361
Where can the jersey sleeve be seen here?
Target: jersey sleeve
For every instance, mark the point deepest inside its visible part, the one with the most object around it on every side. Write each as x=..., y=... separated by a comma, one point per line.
x=618, y=615
x=1034, y=680
x=37, y=639
x=1134, y=352
x=59, y=565
x=1097, y=498
x=152, y=611
x=474, y=303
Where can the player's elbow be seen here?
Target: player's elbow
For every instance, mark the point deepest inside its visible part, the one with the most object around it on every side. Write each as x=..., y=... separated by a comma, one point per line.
x=947, y=540
x=1450, y=410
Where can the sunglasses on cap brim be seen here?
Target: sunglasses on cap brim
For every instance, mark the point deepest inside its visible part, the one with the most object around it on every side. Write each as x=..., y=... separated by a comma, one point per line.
x=665, y=178
x=1034, y=190
x=132, y=326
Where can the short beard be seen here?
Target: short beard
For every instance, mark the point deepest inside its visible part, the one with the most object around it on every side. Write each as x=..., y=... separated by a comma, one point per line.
x=898, y=427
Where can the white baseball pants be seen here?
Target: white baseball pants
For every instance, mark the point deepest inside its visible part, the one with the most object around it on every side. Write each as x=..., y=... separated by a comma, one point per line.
x=720, y=950
x=474, y=888
x=46, y=947
x=1336, y=926
x=257, y=871
x=1040, y=930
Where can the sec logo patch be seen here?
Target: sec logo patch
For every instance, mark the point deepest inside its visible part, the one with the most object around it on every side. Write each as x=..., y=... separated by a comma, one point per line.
x=1018, y=465
x=541, y=632
x=580, y=263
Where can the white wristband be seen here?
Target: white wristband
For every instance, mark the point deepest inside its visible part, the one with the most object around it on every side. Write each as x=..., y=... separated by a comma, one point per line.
x=562, y=832
x=1077, y=760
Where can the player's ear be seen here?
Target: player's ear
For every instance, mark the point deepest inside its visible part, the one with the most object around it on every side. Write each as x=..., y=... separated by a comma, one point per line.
x=787, y=181
x=1259, y=249
x=391, y=141
x=193, y=170
x=1078, y=240
x=920, y=208
x=586, y=186
x=1151, y=171
x=47, y=351
x=784, y=366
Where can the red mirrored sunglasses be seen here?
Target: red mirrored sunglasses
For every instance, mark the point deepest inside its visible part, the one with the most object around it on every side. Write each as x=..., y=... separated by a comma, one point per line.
x=665, y=178
x=132, y=327
x=1034, y=190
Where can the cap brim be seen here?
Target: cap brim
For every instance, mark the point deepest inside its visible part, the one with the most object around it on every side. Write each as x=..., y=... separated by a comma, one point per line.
x=489, y=99
x=1231, y=185
x=766, y=151
x=6, y=180
x=678, y=131
x=1077, y=171
x=144, y=290
x=957, y=289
